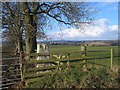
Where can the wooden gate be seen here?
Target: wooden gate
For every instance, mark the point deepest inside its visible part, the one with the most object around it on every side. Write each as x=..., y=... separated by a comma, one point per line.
x=10, y=72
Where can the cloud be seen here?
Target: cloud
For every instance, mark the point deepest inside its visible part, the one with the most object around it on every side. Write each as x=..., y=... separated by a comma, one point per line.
x=99, y=29
x=114, y=27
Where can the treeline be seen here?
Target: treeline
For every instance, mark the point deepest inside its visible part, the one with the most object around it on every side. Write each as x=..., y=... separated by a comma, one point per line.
x=110, y=43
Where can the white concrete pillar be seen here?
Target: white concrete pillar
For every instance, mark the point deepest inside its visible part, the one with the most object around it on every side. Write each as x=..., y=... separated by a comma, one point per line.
x=38, y=48
x=42, y=48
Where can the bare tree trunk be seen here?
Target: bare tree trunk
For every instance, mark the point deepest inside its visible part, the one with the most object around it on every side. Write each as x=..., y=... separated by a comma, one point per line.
x=30, y=35
x=30, y=43
x=35, y=34
x=20, y=44
x=30, y=32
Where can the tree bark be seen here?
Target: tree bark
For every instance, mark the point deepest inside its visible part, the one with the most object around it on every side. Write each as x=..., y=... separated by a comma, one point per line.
x=30, y=43
x=20, y=44
x=30, y=31
x=30, y=35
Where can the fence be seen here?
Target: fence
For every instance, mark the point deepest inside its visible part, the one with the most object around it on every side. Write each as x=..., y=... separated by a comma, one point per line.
x=27, y=70
x=107, y=58
x=32, y=69
x=10, y=72
x=58, y=61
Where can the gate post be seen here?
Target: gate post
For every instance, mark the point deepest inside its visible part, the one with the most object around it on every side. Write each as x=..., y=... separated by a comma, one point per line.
x=83, y=51
x=112, y=58
x=21, y=65
x=68, y=62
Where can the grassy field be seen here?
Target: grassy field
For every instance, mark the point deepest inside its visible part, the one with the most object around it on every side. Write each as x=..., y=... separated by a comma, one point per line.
x=96, y=55
x=77, y=77
x=94, y=77
x=96, y=74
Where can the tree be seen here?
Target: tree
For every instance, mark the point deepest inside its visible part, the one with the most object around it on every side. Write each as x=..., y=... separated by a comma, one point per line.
x=12, y=23
x=69, y=13
x=8, y=46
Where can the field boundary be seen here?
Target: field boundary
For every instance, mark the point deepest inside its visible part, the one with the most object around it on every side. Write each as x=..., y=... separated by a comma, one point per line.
x=58, y=62
x=10, y=73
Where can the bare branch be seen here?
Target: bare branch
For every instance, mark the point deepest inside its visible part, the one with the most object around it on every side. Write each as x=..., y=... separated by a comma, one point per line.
x=8, y=8
x=59, y=19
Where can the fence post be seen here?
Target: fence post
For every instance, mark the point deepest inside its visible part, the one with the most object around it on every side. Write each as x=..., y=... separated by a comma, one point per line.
x=60, y=56
x=112, y=58
x=68, y=63
x=83, y=50
x=21, y=64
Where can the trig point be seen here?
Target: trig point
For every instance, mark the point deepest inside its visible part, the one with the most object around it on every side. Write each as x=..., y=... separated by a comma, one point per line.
x=42, y=48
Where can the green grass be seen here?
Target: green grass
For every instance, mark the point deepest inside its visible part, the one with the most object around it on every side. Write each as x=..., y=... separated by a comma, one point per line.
x=96, y=55
x=75, y=77
x=98, y=72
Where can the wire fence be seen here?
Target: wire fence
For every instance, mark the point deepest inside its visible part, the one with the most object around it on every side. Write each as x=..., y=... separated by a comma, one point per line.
x=29, y=70
x=103, y=58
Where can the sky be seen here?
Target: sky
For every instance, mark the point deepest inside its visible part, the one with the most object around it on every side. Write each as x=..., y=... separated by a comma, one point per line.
x=104, y=27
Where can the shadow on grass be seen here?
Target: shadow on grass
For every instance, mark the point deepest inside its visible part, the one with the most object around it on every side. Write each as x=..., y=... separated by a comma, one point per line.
x=93, y=58
x=98, y=51
x=98, y=64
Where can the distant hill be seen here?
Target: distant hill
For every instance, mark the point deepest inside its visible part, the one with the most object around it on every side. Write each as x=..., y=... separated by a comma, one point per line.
x=98, y=43
x=86, y=42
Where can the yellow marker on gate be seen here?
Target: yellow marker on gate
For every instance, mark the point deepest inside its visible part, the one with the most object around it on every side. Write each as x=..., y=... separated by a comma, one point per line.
x=54, y=55
x=53, y=64
x=84, y=63
x=60, y=69
x=58, y=57
x=61, y=63
x=56, y=61
x=63, y=56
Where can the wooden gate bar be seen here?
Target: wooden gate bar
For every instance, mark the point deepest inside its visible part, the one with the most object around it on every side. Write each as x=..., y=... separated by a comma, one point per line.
x=6, y=82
